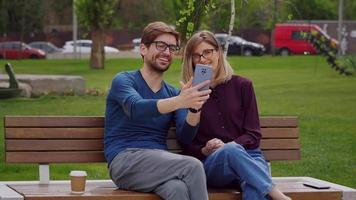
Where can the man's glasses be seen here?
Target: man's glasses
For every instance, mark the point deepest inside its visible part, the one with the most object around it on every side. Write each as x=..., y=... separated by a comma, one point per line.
x=207, y=54
x=162, y=46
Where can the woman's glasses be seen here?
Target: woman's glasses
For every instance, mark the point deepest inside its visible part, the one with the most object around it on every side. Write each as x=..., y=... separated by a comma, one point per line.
x=207, y=54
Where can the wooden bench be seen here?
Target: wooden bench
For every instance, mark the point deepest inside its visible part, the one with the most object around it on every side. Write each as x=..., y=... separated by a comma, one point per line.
x=79, y=139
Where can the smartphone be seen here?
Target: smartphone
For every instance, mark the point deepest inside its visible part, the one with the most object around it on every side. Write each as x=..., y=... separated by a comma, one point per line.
x=316, y=185
x=201, y=74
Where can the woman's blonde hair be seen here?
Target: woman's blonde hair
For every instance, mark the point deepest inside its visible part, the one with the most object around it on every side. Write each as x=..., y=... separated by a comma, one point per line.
x=224, y=71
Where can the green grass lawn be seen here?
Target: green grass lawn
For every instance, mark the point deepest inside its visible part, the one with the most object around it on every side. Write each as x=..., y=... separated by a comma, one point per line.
x=304, y=86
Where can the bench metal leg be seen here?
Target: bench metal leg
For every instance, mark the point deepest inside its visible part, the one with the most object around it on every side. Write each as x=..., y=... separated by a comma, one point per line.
x=44, y=173
x=269, y=168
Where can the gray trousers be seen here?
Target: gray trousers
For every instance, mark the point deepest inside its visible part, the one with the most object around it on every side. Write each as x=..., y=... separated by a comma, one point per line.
x=171, y=176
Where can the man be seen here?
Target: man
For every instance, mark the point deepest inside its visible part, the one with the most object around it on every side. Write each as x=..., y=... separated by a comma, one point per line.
x=139, y=110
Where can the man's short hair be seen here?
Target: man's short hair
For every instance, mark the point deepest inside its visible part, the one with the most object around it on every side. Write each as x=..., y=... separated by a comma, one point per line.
x=155, y=29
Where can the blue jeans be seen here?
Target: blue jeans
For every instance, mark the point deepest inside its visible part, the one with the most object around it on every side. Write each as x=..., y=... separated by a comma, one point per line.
x=233, y=164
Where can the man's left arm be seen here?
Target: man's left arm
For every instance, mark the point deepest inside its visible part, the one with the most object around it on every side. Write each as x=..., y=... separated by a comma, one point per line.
x=187, y=121
x=187, y=124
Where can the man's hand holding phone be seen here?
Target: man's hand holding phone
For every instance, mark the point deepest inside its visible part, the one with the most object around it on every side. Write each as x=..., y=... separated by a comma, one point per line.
x=193, y=96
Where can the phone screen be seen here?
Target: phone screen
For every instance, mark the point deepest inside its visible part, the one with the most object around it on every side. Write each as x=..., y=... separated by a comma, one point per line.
x=201, y=74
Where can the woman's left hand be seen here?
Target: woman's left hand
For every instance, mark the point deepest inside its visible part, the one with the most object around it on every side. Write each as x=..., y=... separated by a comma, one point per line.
x=212, y=145
x=216, y=143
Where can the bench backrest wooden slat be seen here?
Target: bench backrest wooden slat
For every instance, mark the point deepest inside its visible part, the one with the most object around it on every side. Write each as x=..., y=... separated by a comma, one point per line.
x=55, y=145
x=54, y=133
x=282, y=154
x=96, y=121
x=278, y=122
x=266, y=144
x=97, y=145
x=282, y=132
x=54, y=121
x=88, y=132
x=89, y=157
x=55, y=157
x=47, y=139
x=267, y=132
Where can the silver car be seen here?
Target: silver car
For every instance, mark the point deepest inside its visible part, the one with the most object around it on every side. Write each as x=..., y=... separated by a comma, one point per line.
x=45, y=46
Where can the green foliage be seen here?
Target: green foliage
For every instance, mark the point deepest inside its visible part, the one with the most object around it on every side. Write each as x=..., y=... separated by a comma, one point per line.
x=218, y=19
x=346, y=64
x=30, y=15
x=249, y=14
x=191, y=15
x=23, y=16
x=136, y=14
x=265, y=13
x=254, y=14
x=97, y=14
x=328, y=48
x=313, y=9
x=290, y=16
x=61, y=9
x=349, y=8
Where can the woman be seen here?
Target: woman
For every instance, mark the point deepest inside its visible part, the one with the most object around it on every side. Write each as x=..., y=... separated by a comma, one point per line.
x=229, y=134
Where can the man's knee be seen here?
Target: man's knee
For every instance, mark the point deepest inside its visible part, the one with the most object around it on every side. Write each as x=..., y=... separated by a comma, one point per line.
x=179, y=189
x=194, y=164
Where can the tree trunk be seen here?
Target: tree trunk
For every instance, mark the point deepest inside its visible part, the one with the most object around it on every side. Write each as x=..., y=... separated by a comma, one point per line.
x=231, y=26
x=97, y=57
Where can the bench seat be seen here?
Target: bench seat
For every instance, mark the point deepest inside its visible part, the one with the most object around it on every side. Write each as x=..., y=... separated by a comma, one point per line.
x=105, y=190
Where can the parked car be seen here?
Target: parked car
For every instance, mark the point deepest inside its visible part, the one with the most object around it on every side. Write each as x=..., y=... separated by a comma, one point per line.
x=136, y=44
x=45, y=46
x=289, y=39
x=84, y=46
x=19, y=50
x=239, y=46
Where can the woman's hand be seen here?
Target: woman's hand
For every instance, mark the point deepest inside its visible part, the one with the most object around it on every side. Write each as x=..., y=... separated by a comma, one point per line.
x=211, y=146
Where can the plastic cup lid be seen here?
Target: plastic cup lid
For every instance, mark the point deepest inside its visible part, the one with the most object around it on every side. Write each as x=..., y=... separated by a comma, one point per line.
x=78, y=173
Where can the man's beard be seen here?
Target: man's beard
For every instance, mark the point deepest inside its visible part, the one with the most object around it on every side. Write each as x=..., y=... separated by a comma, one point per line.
x=155, y=66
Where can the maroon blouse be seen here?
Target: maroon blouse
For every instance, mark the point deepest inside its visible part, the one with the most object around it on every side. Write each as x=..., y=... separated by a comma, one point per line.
x=230, y=114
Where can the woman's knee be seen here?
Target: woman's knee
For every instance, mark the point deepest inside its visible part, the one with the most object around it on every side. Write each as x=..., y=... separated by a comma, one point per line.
x=232, y=148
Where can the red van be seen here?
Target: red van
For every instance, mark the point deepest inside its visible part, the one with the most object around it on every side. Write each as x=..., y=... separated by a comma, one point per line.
x=289, y=39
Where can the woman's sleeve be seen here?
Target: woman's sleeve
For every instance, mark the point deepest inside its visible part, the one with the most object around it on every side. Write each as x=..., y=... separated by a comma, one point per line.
x=250, y=139
x=193, y=149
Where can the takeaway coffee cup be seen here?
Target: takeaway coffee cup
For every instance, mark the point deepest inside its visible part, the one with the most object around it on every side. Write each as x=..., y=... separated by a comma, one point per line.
x=77, y=181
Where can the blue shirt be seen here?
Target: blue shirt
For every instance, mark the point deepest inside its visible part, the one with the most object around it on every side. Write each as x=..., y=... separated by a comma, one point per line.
x=132, y=119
